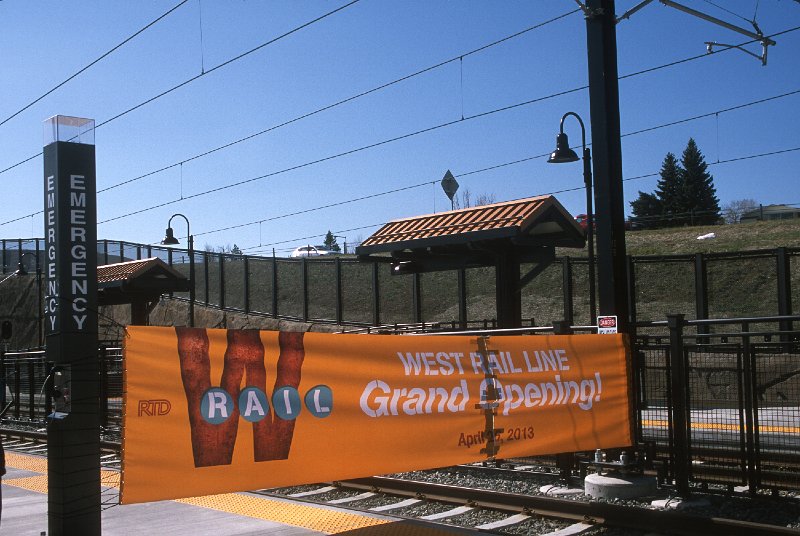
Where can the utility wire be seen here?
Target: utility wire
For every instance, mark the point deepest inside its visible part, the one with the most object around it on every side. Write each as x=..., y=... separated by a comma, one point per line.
x=343, y=101
x=577, y=188
x=186, y=82
x=349, y=152
x=84, y=69
x=539, y=99
x=405, y=136
x=497, y=166
x=228, y=62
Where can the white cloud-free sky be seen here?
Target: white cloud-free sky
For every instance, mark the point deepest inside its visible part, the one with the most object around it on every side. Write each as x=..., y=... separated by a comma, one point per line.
x=266, y=191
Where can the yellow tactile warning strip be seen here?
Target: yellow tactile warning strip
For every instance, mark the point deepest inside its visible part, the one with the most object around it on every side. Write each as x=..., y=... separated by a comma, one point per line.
x=725, y=427
x=325, y=520
x=36, y=464
x=30, y=483
x=298, y=515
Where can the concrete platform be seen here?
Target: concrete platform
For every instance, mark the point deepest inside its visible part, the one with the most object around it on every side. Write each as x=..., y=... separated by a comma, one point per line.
x=24, y=512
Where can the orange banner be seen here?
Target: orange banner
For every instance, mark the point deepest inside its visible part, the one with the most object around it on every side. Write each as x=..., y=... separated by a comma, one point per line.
x=213, y=411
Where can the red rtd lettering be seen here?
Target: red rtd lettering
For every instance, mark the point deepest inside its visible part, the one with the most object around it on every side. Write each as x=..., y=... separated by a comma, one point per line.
x=154, y=408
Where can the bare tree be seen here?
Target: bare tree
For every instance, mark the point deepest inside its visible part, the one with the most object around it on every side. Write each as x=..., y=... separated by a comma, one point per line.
x=733, y=211
x=465, y=200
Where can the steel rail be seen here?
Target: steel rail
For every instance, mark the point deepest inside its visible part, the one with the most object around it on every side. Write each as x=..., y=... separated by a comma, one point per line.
x=601, y=513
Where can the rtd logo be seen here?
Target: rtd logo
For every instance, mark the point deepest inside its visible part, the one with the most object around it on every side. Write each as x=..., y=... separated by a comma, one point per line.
x=154, y=408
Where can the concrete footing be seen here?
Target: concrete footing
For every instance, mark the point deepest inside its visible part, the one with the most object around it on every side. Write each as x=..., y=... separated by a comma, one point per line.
x=619, y=486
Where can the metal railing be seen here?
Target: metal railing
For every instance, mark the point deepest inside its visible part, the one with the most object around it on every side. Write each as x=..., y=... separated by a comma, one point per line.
x=26, y=387
x=719, y=400
x=343, y=291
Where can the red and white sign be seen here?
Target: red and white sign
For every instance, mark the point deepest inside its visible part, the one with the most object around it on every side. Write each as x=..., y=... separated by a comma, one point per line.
x=606, y=325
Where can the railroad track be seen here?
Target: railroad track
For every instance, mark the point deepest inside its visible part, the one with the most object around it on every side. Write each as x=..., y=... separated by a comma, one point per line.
x=515, y=509
x=503, y=512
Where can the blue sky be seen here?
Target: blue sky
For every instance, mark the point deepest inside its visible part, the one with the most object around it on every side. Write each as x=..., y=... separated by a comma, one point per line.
x=253, y=188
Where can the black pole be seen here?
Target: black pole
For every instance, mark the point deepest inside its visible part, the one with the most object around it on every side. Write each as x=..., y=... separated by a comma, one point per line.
x=601, y=43
x=680, y=409
x=191, y=277
x=587, y=179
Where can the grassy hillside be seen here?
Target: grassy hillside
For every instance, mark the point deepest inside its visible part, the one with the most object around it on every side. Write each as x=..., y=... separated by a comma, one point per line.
x=683, y=240
x=736, y=287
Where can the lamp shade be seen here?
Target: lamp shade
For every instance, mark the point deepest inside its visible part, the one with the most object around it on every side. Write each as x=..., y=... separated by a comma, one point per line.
x=562, y=153
x=170, y=239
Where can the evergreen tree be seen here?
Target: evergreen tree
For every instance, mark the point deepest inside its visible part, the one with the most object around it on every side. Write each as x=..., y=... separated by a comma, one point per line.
x=647, y=211
x=330, y=242
x=670, y=191
x=698, y=187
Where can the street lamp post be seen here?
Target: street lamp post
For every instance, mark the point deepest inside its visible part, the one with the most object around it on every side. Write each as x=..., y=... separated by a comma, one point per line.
x=563, y=154
x=344, y=244
x=170, y=240
x=39, y=304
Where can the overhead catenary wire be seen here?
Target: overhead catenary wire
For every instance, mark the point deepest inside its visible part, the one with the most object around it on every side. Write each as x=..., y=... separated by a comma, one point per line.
x=416, y=133
x=555, y=192
x=203, y=73
x=443, y=125
x=92, y=63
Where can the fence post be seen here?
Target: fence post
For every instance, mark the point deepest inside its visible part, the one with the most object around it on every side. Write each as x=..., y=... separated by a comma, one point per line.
x=749, y=388
x=462, y=298
x=701, y=293
x=274, y=285
x=246, y=282
x=631, y=273
x=304, y=276
x=679, y=410
x=566, y=286
x=103, y=388
x=376, y=297
x=416, y=297
x=339, y=306
x=222, y=281
x=784, y=277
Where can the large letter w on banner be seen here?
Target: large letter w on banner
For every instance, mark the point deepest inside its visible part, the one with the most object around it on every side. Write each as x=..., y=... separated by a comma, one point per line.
x=214, y=412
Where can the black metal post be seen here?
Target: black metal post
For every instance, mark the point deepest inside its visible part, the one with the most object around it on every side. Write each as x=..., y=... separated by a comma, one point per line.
x=701, y=293
x=304, y=281
x=601, y=42
x=274, y=285
x=192, y=280
x=416, y=297
x=507, y=285
x=680, y=409
x=339, y=295
x=246, y=283
x=221, y=281
x=206, y=279
x=587, y=180
x=566, y=286
x=784, y=276
x=376, y=298
x=631, y=292
x=462, y=298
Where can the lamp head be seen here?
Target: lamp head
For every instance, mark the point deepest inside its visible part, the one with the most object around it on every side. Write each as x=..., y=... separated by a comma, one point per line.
x=562, y=153
x=170, y=239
